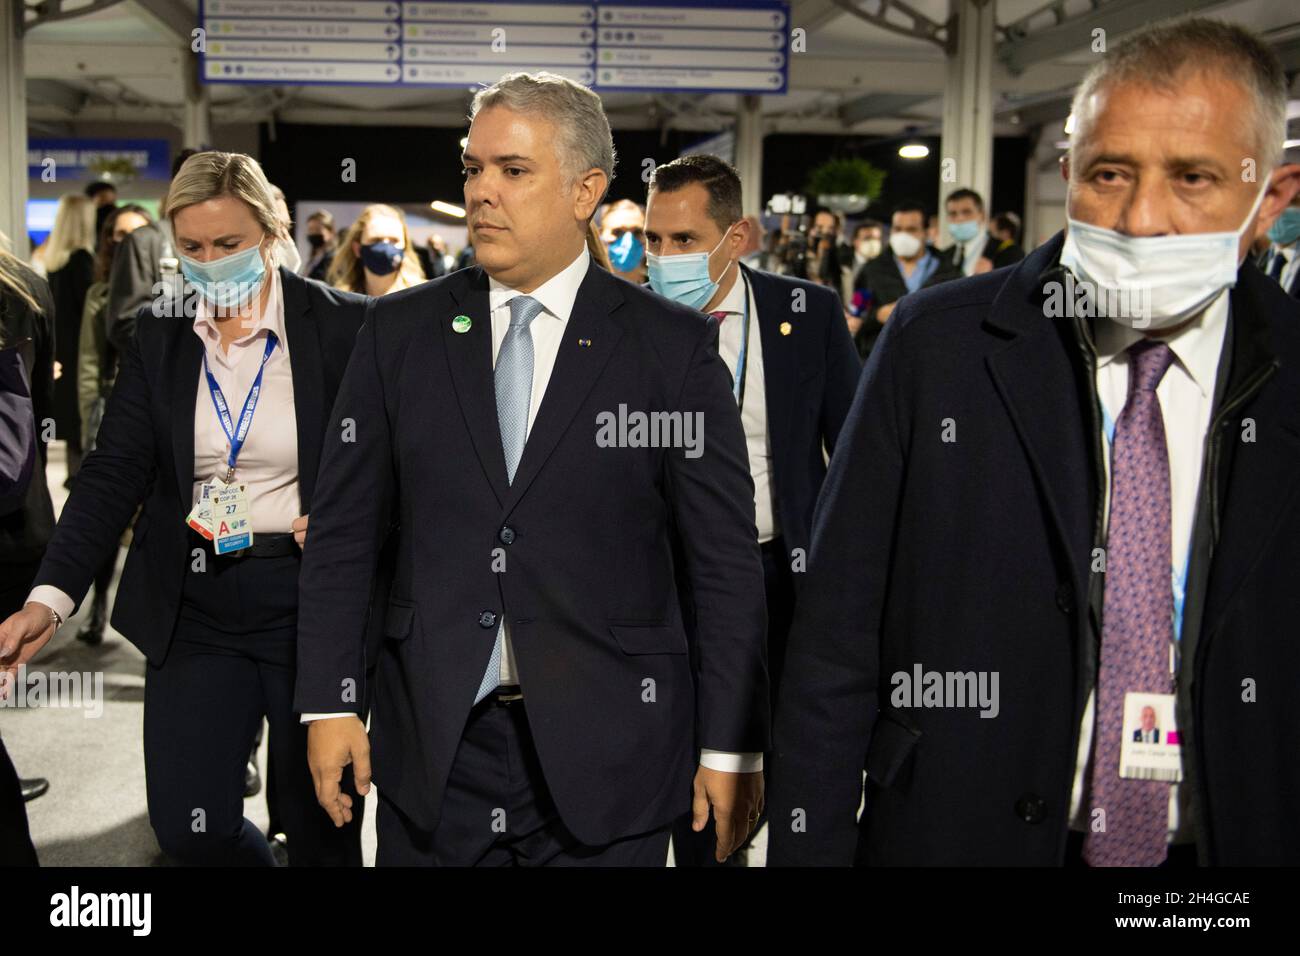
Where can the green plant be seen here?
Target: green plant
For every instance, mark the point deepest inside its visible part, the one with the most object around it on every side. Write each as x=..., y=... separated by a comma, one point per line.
x=849, y=176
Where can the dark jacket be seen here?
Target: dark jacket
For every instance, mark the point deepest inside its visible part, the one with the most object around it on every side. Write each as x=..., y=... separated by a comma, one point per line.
x=68, y=286
x=585, y=531
x=882, y=280
x=145, y=454
x=975, y=555
x=24, y=533
x=322, y=267
x=138, y=266
x=810, y=375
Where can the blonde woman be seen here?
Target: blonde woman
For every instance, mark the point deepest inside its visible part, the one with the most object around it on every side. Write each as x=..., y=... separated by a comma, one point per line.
x=375, y=256
x=70, y=270
x=218, y=416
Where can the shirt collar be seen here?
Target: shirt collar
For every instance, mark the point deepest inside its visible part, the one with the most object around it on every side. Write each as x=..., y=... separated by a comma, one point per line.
x=1196, y=347
x=557, y=294
x=733, y=303
x=271, y=319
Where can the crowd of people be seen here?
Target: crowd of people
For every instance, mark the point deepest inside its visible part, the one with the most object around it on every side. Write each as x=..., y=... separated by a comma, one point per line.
x=878, y=457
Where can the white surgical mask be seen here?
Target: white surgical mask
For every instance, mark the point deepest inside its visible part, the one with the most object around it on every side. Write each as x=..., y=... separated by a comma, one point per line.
x=869, y=248
x=904, y=244
x=1157, y=282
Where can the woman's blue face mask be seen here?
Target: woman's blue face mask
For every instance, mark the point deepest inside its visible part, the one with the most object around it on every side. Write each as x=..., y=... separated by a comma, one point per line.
x=232, y=281
x=625, y=252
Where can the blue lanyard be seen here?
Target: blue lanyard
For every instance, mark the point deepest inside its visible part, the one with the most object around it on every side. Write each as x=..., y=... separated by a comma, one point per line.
x=742, y=360
x=250, y=404
x=1179, y=580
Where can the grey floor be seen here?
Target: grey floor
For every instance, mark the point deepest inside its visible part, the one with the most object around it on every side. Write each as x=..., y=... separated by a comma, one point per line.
x=95, y=812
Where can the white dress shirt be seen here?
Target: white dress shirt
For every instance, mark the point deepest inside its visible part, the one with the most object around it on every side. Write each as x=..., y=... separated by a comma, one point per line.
x=1186, y=396
x=268, y=462
x=753, y=415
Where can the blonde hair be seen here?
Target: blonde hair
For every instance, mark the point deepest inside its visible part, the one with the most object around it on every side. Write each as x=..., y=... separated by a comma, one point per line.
x=74, y=228
x=16, y=279
x=347, y=272
x=210, y=174
x=596, y=246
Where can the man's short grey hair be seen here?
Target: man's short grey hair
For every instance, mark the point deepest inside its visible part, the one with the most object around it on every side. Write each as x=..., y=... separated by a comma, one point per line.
x=583, y=139
x=1161, y=56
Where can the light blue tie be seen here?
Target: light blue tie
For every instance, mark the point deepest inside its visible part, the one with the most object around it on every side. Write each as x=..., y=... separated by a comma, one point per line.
x=514, y=386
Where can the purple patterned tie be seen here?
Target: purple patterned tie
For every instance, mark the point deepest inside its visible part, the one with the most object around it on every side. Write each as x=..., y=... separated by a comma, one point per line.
x=1137, y=619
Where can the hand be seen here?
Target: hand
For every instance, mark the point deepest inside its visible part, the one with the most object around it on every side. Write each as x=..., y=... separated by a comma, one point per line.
x=332, y=744
x=58, y=370
x=21, y=637
x=884, y=312
x=983, y=264
x=299, y=529
x=854, y=322
x=737, y=801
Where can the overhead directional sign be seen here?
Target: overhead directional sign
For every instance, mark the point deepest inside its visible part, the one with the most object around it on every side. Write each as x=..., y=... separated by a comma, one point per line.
x=610, y=45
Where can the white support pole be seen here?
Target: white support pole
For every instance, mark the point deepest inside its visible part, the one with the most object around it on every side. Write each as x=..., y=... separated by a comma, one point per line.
x=13, y=130
x=749, y=153
x=966, y=146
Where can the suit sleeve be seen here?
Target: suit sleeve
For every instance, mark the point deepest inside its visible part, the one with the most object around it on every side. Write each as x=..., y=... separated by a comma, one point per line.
x=843, y=366
x=828, y=699
x=712, y=499
x=131, y=281
x=354, y=487
x=110, y=485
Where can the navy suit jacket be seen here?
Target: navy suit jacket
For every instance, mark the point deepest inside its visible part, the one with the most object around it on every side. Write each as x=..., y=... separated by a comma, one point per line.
x=576, y=552
x=956, y=532
x=810, y=373
x=144, y=454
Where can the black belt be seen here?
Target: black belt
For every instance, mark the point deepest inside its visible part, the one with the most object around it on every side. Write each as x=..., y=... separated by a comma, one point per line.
x=264, y=546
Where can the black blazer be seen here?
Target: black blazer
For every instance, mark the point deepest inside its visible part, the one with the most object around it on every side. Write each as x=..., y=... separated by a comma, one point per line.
x=25, y=532
x=976, y=554
x=145, y=454
x=585, y=534
x=810, y=375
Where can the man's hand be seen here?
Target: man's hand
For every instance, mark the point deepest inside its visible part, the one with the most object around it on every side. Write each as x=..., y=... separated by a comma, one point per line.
x=883, y=312
x=737, y=801
x=983, y=264
x=299, y=529
x=332, y=744
x=21, y=637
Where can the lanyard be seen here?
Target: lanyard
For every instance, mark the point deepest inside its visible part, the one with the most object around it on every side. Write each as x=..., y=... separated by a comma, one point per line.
x=246, y=415
x=1178, y=579
x=742, y=360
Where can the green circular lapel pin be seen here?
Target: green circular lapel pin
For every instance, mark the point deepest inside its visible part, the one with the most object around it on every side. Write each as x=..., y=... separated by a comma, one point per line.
x=461, y=323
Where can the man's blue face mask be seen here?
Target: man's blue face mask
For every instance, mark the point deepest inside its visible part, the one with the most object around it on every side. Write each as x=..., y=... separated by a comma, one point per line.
x=684, y=278
x=625, y=252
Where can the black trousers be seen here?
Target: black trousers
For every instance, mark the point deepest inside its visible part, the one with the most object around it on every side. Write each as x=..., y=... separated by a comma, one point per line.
x=232, y=662
x=498, y=811
x=697, y=849
x=15, y=837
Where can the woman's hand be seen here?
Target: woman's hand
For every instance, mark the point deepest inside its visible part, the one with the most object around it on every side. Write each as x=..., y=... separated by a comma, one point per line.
x=299, y=528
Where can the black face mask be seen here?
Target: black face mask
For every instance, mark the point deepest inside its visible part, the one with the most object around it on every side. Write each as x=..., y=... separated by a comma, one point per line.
x=315, y=239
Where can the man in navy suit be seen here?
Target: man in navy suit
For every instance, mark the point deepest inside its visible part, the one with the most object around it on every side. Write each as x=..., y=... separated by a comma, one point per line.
x=793, y=368
x=540, y=438
x=1086, y=486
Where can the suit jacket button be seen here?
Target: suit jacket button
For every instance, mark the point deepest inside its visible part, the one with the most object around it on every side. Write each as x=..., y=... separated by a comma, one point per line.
x=1065, y=597
x=1031, y=808
x=487, y=619
x=507, y=535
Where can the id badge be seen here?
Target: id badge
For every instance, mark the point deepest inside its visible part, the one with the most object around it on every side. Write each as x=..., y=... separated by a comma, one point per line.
x=232, y=522
x=200, y=517
x=1151, y=748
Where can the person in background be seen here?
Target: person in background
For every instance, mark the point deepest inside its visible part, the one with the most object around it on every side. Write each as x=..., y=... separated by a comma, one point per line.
x=1006, y=227
x=70, y=269
x=868, y=242
x=215, y=613
x=974, y=250
x=145, y=265
x=596, y=246
x=376, y=256
x=825, y=252
x=320, y=237
x=104, y=196
x=26, y=316
x=622, y=228
x=96, y=368
x=907, y=265
x=1281, y=261
x=793, y=371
